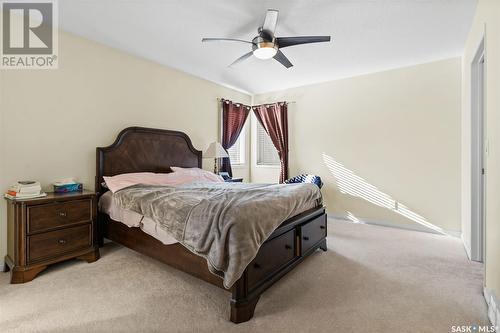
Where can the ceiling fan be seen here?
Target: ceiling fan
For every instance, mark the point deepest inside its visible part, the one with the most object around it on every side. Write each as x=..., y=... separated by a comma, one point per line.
x=266, y=45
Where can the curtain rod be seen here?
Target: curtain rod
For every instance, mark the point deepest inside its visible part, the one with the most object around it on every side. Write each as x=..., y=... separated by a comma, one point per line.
x=292, y=102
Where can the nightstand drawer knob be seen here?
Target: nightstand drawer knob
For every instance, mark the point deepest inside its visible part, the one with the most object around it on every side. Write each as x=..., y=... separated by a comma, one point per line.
x=62, y=241
x=62, y=214
x=322, y=227
x=305, y=238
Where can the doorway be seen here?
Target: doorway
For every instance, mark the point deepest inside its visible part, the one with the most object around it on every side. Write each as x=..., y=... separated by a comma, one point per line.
x=478, y=155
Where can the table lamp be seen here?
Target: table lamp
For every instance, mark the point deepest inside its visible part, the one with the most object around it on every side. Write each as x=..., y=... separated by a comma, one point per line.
x=215, y=151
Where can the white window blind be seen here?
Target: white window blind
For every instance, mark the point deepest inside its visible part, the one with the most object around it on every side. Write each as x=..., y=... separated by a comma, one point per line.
x=266, y=152
x=237, y=151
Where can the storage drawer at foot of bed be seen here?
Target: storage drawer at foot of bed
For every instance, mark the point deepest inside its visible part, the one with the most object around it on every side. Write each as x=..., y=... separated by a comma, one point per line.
x=272, y=256
x=312, y=232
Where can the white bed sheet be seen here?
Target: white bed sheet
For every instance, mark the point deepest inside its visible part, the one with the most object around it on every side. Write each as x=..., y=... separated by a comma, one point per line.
x=133, y=219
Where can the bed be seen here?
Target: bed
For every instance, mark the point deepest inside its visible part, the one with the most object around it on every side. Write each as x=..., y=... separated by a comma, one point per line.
x=138, y=149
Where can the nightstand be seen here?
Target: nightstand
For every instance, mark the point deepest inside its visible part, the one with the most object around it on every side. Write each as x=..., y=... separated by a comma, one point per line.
x=43, y=231
x=234, y=180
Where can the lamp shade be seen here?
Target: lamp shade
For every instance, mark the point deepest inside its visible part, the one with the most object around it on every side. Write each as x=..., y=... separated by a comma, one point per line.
x=215, y=150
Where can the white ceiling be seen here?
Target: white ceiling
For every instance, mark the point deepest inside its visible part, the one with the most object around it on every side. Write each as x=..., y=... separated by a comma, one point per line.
x=368, y=35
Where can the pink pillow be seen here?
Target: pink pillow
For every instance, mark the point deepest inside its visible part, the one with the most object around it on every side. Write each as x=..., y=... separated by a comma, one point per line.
x=123, y=180
x=118, y=182
x=198, y=174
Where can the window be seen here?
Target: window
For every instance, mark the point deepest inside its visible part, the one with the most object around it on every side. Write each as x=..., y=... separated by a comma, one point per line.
x=266, y=152
x=237, y=151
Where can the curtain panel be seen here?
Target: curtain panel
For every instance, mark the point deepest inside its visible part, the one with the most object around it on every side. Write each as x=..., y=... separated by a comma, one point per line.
x=274, y=119
x=234, y=116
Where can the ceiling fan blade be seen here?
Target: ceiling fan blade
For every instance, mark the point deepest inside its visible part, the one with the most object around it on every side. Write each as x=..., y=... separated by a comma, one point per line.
x=241, y=59
x=282, y=59
x=203, y=40
x=291, y=41
x=270, y=21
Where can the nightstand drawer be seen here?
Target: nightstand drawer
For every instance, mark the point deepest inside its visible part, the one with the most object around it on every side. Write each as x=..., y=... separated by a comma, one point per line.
x=43, y=217
x=54, y=243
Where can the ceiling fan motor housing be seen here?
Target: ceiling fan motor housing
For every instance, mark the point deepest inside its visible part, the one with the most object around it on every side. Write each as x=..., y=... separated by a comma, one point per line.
x=264, y=48
x=259, y=42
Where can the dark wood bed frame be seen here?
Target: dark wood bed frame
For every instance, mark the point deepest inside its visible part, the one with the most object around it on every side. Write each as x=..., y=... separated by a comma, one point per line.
x=138, y=149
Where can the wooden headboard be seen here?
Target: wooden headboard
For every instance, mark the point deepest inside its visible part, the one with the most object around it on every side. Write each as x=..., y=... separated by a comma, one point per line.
x=140, y=149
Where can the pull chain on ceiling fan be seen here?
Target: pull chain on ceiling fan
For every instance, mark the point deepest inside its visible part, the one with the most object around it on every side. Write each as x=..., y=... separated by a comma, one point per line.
x=266, y=45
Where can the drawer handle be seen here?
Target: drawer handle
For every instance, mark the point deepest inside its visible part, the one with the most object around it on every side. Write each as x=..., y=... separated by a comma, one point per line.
x=256, y=265
x=322, y=227
x=305, y=238
x=62, y=214
x=288, y=247
x=62, y=241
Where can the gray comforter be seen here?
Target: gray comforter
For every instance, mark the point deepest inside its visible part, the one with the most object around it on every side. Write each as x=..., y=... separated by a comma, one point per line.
x=225, y=223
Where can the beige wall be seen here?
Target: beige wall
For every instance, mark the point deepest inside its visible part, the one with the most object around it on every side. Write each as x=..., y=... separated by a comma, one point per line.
x=54, y=119
x=380, y=138
x=486, y=24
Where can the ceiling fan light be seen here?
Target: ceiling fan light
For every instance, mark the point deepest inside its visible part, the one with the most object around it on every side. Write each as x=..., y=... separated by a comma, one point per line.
x=265, y=52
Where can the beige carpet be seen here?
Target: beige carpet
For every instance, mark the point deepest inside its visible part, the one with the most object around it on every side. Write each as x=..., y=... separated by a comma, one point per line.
x=372, y=279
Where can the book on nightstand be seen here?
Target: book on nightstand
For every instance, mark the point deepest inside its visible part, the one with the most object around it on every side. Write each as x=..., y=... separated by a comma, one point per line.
x=25, y=189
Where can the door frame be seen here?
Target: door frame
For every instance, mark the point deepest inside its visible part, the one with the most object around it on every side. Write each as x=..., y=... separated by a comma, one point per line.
x=478, y=154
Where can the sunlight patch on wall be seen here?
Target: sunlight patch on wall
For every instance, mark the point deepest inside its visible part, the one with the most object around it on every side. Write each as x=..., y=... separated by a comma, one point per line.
x=350, y=183
x=350, y=216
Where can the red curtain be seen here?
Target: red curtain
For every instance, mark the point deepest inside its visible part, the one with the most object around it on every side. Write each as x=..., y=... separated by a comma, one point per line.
x=234, y=116
x=274, y=119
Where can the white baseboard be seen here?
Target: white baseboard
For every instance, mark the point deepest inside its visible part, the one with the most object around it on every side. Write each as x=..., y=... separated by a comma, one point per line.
x=466, y=247
x=493, y=307
x=416, y=227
